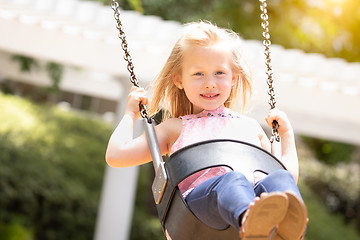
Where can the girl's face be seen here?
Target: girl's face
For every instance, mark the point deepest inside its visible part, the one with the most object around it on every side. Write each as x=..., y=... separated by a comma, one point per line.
x=206, y=77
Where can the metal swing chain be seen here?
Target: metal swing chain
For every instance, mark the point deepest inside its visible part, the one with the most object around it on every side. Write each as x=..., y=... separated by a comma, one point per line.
x=267, y=43
x=161, y=177
x=124, y=45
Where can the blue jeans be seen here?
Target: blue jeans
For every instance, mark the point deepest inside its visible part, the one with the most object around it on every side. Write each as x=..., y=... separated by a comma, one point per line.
x=219, y=201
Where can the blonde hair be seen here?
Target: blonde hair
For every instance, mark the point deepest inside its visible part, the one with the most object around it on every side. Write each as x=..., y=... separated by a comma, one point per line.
x=167, y=96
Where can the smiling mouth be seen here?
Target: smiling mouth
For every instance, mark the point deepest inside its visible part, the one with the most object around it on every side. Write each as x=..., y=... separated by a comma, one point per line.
x=209, y=96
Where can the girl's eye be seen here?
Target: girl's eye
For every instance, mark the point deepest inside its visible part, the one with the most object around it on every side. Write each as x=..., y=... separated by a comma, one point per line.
x=219, y=72
x=198, y=74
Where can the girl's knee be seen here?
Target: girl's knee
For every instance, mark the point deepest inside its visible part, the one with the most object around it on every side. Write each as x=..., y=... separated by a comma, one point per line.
x=280, y=177
x=280, y=180
x=282, y=174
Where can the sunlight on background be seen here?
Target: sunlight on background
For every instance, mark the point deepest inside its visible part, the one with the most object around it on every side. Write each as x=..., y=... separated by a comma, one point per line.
x=326, y=2
x=24, y=117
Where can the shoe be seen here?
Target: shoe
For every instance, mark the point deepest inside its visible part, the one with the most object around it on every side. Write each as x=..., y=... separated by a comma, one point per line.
x=292, y=227
x=261, y=218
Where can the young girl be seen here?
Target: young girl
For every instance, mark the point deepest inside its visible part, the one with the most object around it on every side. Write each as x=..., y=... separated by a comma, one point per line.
x=199, y=87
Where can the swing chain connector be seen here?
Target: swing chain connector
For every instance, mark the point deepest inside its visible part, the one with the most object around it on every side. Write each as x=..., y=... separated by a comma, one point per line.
x=144, y=113
x=161, y=178
x=275, y=136
x=124, y=45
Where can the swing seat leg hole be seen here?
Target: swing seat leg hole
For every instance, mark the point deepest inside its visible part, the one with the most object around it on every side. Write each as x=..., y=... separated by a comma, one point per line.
x=258, y=175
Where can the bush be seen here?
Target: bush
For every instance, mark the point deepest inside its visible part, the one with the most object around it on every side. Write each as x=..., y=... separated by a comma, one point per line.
x=15, y=232
x=324, y=225
x=330, y=152
x=52, y=165
x=336, y=184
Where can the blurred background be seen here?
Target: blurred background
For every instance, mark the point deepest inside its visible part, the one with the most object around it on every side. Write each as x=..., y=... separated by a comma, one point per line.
x=63, y=86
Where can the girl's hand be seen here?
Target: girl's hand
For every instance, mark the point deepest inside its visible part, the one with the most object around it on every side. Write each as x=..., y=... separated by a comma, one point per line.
x=279, y=116
x=289, y=154
x=136, y=96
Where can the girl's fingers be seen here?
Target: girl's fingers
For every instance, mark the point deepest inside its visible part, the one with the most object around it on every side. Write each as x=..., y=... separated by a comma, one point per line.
x=275, y=115
x=281, y=118
x=136, y=96
x=139, y=95
x=144, y=100
x=133, y=88
x=270, y=118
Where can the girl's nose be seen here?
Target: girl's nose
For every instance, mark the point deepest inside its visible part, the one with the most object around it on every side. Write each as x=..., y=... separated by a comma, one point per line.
x=210, y=82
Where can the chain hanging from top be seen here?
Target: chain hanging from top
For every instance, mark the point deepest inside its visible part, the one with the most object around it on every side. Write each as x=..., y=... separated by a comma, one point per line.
x=269, y=72
x=124, y=45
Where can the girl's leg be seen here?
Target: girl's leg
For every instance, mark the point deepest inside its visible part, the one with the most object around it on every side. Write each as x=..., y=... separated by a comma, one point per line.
x=280, y=181
x=294, y=222
x=213, y=200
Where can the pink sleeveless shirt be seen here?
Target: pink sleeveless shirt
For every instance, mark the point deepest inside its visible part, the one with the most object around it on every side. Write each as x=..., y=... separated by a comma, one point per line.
x=221, y=123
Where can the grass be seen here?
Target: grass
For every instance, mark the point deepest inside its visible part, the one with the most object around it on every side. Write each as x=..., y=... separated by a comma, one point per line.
x=324, y=225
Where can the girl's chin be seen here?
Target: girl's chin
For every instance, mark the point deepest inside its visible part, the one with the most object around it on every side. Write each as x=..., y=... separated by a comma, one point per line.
x=207, y=108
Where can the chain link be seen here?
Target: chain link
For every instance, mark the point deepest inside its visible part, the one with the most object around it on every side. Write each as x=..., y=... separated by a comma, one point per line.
x=127, y=57
x=269, y=72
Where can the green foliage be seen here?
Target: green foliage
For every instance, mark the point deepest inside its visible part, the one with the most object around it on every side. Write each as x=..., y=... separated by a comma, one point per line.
x=5, y=87
x=136, y=5
x=327, y=27
x=51, y=169
x=15, y=232
x=336, y=186
x=322, y=224
x=330, y=152
x=25, y=63
x=104, y=2
x=55, y=72
x=125, y=4
x=146, y=227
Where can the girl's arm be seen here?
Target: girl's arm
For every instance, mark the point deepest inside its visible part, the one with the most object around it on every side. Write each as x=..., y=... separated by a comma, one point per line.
x=122, y=149
x=289, y=153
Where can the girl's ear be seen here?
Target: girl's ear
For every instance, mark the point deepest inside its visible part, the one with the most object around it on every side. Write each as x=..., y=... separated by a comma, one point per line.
x=177, y=80
x=235, y=77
